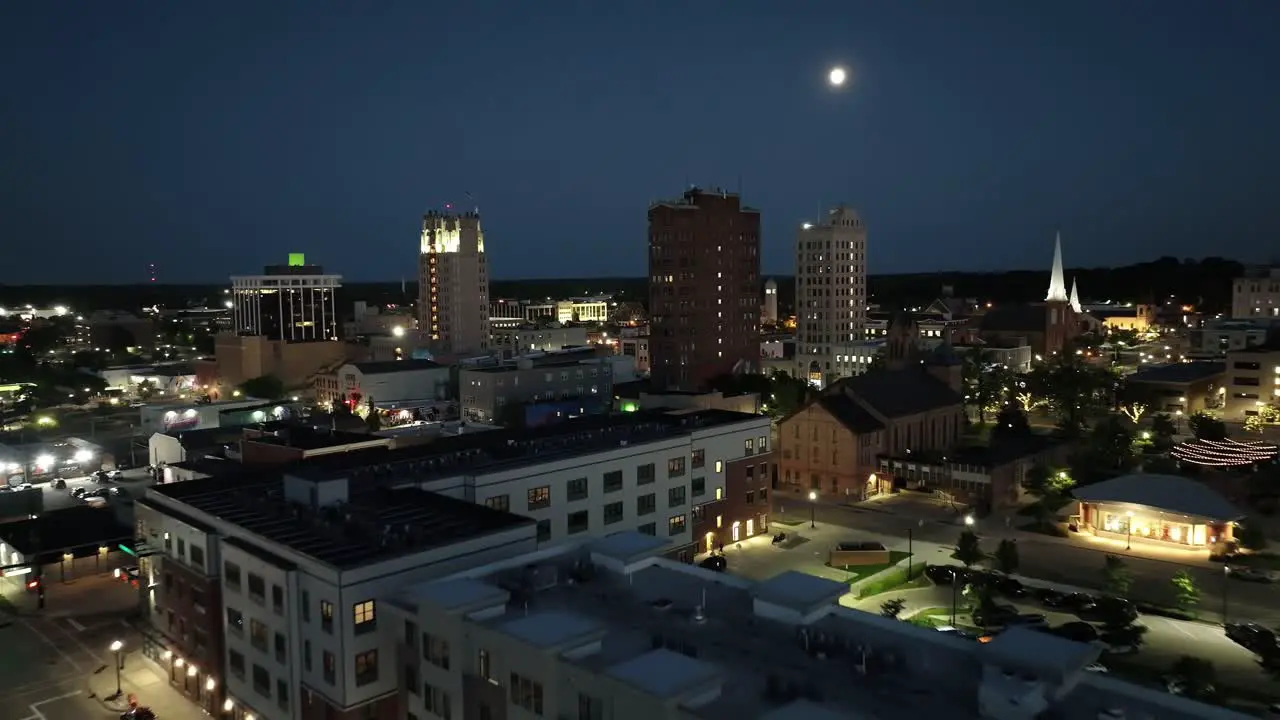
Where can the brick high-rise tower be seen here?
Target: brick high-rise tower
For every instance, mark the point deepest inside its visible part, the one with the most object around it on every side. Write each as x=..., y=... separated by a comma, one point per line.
x=704, y=288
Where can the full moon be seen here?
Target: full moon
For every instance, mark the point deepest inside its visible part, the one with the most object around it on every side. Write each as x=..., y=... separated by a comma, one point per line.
x=836, y=77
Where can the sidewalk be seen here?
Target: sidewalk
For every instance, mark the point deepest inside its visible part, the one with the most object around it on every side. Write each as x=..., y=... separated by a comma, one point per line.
x=144, y=679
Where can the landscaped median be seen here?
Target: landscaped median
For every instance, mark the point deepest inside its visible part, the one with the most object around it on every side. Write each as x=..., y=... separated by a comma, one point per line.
x=896, y=575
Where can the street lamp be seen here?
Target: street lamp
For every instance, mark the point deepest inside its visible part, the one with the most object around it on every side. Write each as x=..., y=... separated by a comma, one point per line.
x=1128, y=528
x=116, y=647
x=813, y=504
x=1226, y=570
x=968, y=520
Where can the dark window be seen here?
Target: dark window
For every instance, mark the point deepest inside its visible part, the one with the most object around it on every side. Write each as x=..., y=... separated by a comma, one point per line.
x=280, y=648
x=306, y=606
x=540, y=497
x=277, y=599
x=526, y=693
x=576, y=489
x=544, y=530
x=699, y=487
x=306, y=655
x=648, y=529
x=257, y=588
x=751, y=497
x=258, y=635
x=613, y=513
x=261, y=681
x=236, y=661
x=435, y=650
x=499, y=502
x=613, y=481
x=646, y=504
x=579, y=521
x=645, y=474
x=197, y=556
x=676, y=496
x=699, y=458
x=282, y=694
x=231, y=575
x=235, y=621
x=330, y=666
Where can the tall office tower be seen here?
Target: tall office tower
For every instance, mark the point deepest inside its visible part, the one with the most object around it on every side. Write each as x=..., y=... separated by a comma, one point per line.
x=453, y=274
x=287, y=303
x=704, y=288
x=831, y=296
x=771, y=302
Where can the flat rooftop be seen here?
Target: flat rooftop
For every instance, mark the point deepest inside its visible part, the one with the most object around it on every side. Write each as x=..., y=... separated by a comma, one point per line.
x=700, y=640
x=76, y=527
x=376, y=523
x=304, y=437
x=494, y=450
x=1179, y=373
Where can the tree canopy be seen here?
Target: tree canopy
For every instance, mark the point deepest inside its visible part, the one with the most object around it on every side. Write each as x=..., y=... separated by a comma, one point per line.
x=266, y=387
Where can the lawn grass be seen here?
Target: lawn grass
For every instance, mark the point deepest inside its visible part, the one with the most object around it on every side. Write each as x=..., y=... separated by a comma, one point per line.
x=859, y=572
x=894, y=578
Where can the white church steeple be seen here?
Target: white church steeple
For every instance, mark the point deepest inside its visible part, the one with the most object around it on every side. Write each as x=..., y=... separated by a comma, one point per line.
x=1057, y=284
x=1075, y=297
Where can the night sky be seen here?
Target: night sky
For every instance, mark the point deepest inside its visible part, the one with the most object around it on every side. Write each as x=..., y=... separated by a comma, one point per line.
x=210, y=138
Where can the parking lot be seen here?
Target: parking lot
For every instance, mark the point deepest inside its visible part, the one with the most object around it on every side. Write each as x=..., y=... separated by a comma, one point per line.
x=47, y=663
x=55, y=498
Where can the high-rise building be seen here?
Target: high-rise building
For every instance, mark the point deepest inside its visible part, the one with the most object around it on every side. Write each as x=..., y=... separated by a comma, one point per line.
x=771, y=302
x=288, y=303
x=704, y=288
x=831, y=297
x=453, y=274
x=1257, y=294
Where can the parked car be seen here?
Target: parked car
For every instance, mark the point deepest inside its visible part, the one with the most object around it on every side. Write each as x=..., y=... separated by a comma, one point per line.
x=1108, y=610
x=995, y=615
x=1050, y=598
x=714, y=562
x=1078, y=631
x=1096, y=668
x=1248, y=574
x=59, y=484
x=120, y=492
x=941, y=574
x=1252, y=636
x=1009, y=587
x=1077, y=600
x=78, y=492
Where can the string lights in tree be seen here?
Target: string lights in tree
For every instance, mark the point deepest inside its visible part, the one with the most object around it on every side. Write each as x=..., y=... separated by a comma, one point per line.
x=1225, y=453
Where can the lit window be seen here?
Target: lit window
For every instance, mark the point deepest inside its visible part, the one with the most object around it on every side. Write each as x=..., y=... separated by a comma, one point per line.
x=364, y=616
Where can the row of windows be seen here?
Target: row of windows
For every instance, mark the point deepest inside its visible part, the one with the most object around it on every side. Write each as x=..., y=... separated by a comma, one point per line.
x=261, y=679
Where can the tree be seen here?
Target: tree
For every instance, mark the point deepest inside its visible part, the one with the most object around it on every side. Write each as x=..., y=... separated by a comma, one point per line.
x=1198, y=677
x=1160, y=465
x=264, y=387
x=1006, y=556
x=878, y=362
x=146, y=389
x=892, y=608
x=1106, y=452
x=1206, y=427
x=1133, y=401
x=1253, y=424
x=1186, y=594
x=1163, y=427
x=1047, y=484
x=1251, y=536
x=1011, y=424
x=372, y=419
x=1116, y=579
x=968, y=549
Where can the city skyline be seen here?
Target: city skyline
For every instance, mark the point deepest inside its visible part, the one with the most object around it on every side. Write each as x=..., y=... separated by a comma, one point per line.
x=322, y=134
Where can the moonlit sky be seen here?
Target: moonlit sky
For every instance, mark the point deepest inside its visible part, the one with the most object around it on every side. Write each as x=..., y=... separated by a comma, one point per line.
x=210, y=138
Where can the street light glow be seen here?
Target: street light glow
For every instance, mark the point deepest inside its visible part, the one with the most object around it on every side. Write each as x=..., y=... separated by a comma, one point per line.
x=813, y=495
x=83, y=456
x=44, y=461
x=116, y=646
x=837, y=76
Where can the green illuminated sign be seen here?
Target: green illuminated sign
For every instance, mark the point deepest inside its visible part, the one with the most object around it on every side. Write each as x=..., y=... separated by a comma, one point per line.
x=127, y=549
x=630, y=407
x=297, y=259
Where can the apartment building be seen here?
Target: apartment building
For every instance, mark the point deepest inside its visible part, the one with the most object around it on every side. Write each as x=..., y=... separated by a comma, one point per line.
x=265, y=590
x=704, y=288
x=636, y=347
x=608, y=630
x=831, y=294
x=386, y=382
x=1257, y=294
x=1252, y=380
x=1217, y=337
x=576, y=382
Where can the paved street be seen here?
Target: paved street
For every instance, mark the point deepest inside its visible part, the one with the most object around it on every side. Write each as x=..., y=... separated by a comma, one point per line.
x=1073, y=561
x=58, y=666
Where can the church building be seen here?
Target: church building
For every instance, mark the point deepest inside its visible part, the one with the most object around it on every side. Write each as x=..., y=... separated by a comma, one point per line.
x=1047, y=327
x=914, y=404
